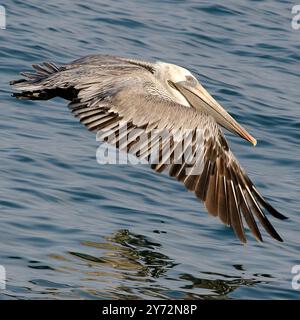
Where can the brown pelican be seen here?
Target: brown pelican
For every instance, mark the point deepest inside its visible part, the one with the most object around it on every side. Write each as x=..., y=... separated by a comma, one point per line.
x=106, y=90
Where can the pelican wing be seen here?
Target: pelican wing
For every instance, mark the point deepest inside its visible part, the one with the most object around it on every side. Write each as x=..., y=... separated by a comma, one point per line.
x=108, y=93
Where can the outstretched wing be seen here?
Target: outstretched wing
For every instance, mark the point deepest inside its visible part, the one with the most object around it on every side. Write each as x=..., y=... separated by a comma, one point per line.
x=109, y=94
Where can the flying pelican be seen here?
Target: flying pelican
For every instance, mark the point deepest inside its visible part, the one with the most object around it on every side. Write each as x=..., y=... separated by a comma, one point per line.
x=106, y=90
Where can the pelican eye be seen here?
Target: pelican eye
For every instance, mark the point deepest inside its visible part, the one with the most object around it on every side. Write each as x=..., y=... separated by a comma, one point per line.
x=191, y=80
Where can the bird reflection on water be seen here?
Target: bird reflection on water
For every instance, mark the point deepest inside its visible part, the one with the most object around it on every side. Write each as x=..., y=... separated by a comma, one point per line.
x=125, y=261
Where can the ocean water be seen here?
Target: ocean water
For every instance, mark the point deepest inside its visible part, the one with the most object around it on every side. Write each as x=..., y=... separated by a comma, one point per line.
x=73, y=229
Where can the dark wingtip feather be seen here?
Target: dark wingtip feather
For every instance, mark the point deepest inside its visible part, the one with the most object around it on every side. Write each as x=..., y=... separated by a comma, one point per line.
x=268, y=207
x=276, y=236
x=13, y=82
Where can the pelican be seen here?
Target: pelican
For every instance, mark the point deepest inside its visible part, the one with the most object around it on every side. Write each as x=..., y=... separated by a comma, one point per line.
x=106, y=90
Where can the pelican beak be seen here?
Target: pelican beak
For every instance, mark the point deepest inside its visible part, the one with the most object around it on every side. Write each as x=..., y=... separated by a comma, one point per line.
x=201, y=100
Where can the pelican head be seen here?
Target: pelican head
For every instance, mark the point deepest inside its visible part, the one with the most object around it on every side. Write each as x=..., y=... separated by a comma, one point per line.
x=187, y=90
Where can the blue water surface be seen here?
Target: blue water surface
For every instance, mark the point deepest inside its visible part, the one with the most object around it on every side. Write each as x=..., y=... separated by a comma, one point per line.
x=71, y=228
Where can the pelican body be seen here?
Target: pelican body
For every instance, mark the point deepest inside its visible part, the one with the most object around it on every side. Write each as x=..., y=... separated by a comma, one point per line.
x=107, y=91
